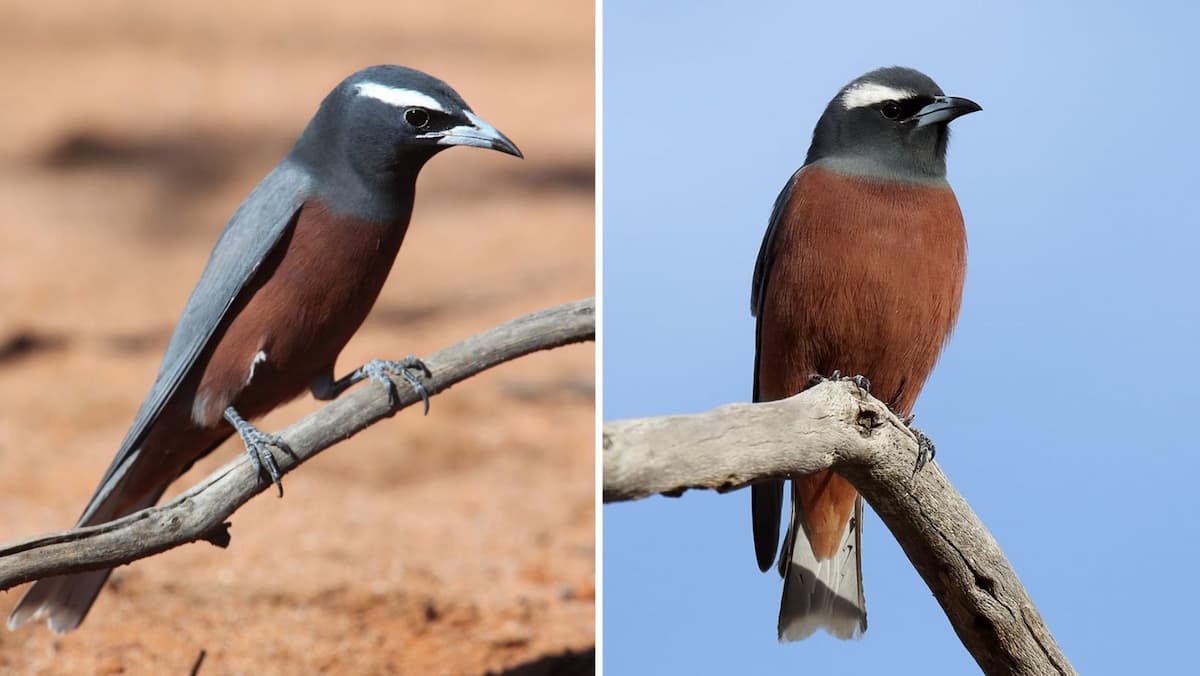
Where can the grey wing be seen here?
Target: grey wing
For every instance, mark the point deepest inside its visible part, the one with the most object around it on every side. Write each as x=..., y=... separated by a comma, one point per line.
x=766, y=497
x=247, y=239
x=762, y=269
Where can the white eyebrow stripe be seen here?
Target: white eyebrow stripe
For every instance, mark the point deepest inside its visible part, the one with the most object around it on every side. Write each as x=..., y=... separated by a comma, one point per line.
x=866, y=94
x=401, y=98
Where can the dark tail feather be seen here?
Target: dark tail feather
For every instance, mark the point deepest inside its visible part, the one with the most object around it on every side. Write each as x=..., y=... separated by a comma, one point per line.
x=766, y=500
x=64, y=600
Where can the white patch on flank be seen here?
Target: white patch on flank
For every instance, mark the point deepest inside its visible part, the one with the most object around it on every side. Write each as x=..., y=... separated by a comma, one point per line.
x=401, y=98
x=866, y=94
x=259, y=358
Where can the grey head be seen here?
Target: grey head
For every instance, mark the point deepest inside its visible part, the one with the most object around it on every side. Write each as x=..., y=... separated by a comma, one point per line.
x=376, y=129
x=890, y=123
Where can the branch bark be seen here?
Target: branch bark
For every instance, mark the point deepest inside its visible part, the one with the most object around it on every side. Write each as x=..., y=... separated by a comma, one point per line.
x=200, y=512
x=837, y=426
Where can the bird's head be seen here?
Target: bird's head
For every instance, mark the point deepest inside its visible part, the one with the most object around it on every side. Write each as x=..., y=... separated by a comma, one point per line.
x=389, y=120
x=891, y=121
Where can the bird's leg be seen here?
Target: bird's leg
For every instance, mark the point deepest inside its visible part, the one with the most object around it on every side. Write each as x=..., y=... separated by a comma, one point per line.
x=410, y=368
x=258, y=447
x=925, y=448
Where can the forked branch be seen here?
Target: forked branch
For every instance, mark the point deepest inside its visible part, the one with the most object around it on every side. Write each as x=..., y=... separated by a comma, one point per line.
x=837, y=426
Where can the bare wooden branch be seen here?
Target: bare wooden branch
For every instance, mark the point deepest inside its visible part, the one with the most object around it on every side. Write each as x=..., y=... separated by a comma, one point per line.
x=200, y=512
x=838, y=426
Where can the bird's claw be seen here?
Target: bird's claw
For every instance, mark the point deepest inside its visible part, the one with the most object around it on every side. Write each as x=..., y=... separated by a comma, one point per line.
x=381, y=370
x=925, y=448
x=861, y=381
x=258, y=447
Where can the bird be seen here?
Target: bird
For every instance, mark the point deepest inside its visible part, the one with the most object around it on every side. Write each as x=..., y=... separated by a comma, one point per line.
x=860, y=272
x=290, y=279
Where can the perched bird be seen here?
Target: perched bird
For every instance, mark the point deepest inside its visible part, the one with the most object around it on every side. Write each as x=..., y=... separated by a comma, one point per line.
x=861, y=271
x=290, y=280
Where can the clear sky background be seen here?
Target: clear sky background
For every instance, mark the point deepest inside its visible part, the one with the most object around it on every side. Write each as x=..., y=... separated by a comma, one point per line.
x=1064, y=408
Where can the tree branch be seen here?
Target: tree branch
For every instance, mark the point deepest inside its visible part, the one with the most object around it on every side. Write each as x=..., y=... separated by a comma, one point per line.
x=200, y=512
x=837, y=426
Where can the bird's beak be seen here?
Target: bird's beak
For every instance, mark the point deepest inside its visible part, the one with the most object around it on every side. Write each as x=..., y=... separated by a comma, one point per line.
x=478, y=134
x=945, y=108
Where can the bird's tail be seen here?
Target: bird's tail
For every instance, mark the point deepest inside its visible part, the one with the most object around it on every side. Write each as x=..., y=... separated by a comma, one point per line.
x=822, y=594
x=64, y=600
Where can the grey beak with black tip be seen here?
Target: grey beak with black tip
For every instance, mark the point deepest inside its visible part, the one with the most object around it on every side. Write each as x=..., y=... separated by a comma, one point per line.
x=478, y=134
x=945, y=108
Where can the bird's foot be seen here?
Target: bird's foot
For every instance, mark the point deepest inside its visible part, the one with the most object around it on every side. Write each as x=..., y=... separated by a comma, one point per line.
x=925, y=448
x=258, y=447
x=410, y=369
x=861, y=381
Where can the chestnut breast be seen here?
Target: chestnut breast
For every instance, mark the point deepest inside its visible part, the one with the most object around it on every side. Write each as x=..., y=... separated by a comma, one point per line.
x=867, y=279
x=305, y=302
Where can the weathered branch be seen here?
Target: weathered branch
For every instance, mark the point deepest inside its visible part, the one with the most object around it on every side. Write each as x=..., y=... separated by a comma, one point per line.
x=837, y=426
x=200, y=512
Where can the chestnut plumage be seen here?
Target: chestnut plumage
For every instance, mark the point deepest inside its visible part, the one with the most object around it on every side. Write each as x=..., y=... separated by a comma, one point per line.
x=861, y=271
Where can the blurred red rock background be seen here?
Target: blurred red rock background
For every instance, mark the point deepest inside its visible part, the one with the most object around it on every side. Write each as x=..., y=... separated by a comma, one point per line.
x=460, y=543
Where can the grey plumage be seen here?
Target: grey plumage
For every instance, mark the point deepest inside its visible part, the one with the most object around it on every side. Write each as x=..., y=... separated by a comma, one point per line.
x=243, y=245
x=359, y=157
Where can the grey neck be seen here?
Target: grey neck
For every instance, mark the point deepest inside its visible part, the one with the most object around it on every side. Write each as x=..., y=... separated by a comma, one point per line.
x=382, y=199
x=870, y=167
x=386, y=197
x=355, y=174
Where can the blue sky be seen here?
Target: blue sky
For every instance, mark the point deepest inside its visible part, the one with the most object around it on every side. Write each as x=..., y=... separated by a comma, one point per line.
x=1063, y=407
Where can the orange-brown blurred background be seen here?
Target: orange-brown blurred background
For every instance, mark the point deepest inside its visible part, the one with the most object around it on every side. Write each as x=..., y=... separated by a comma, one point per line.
x=458, y=543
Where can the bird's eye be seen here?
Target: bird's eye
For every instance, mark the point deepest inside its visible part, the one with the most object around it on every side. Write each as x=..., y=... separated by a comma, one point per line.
x=417, y=117
x=890, y=110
